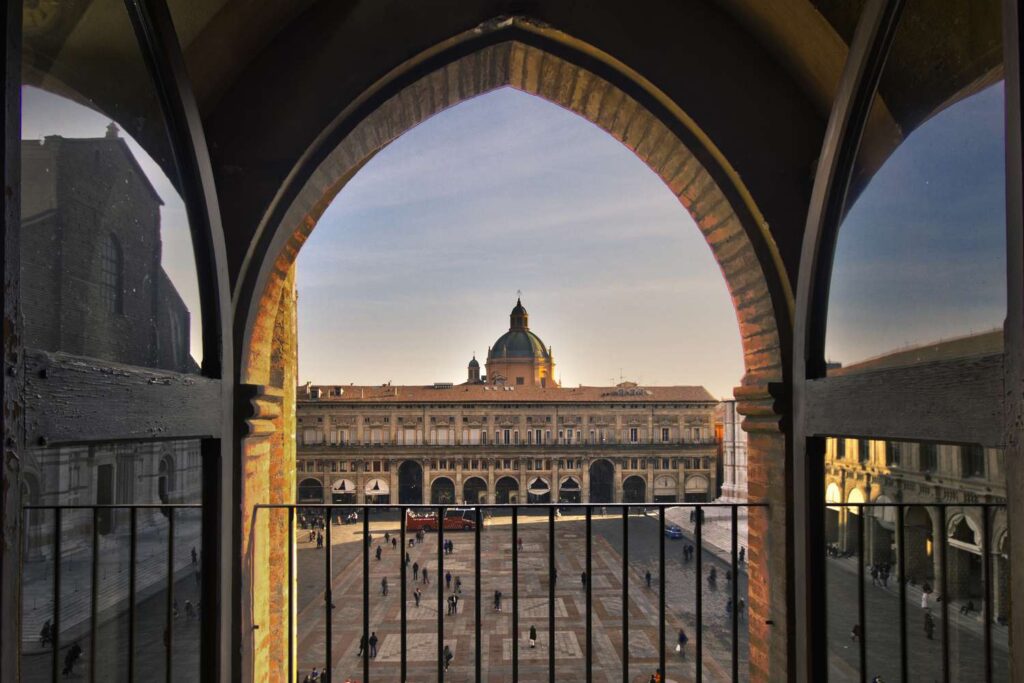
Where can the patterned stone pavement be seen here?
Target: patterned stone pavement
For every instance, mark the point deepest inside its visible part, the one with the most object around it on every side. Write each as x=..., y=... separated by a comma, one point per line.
x=496, y=627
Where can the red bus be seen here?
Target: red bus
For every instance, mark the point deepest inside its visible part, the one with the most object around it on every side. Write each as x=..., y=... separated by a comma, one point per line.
x=455, y=519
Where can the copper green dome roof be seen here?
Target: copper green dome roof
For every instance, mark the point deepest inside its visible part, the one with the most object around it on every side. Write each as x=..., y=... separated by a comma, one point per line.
x=518, y=342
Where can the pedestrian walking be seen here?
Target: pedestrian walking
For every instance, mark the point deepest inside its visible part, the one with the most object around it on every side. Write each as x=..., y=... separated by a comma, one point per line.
x=647, y=578
x=416, y=594
x=728, y=576
x=425, y=578
x=448, y=581
x=533, y=636
x=71, y=659
x=458, y=584
x=741, y=608
x=743, y=555
x=195, y=557
x=407, y=558
x=384, y=586
x=520, y=541
x=415, y=569
x=363, y=649
x=929, y=625
x=314, y=675
x=447, y=657
x=855, y=632
x=712, y=578
x=373, y=645
x=387, y=537
x=378, y=553
x=874, y=575
x=319, y=540
x=681, y=645
x=46, y=634
x=728, y=606
x=497, y=601
x=190, y=611
x=924, y=600
x=583, y=579
x=394, y=543
x=449, y=603
x=455, y=602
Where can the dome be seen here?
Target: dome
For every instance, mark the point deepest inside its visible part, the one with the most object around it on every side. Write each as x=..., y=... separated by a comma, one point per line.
x=519, y=343
x=474, y=363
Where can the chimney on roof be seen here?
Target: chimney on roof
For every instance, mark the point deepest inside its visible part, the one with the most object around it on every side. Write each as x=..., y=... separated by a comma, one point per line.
x=112, y=130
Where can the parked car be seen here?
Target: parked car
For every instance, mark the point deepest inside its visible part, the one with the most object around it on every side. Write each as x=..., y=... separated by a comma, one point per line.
x=455, y=519
x=673, y=531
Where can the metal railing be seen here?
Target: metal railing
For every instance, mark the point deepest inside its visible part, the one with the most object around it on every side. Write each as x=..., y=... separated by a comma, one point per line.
x=942, y=511
x=328, y=512
x=522, y=445
x=94, y=618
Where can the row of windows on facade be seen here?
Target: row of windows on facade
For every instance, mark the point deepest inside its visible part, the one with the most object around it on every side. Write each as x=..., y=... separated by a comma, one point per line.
x=692, y=463
x=972, y=457
x=312, y=436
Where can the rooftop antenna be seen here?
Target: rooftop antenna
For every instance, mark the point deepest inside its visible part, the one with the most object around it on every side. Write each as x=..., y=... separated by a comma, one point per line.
x=519, y=294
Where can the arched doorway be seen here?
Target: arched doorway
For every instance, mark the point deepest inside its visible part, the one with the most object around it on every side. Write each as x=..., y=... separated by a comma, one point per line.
x=695, y=489
x=634, y=490
x=442, y=491
x=569, y=491
x=410, y=483
x=966, y=576
x=343, y=492
x=602, y=482
x=538, y=491
x=665, y=489
x=474, y=490
x=833, y=496
x=920, y=544
x=311, y=491
x=506, y=491
x=377, y=492
x=881, y=532
x=853, y=519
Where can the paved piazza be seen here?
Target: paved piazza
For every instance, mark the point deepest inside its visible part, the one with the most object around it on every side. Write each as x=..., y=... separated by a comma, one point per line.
x=496, y=632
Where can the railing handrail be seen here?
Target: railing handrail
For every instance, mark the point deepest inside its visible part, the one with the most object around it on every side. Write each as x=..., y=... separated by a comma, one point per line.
x=284, y=506
x=114, y=506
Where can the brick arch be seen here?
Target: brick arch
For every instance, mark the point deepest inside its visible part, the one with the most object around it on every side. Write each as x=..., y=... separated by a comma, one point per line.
x=656, y=132
x=532, y=70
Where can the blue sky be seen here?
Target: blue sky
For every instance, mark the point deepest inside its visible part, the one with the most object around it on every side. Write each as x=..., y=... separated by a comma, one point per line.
x=921, y=254
x=417, y=262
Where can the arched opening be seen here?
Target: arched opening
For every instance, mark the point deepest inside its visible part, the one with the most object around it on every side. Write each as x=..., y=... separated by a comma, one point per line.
x=410, y=483
x=165, y=481
x=538, y=491
x=378, y=492
x=474, y=490
x=1002, y=578
x=666, y=489
x=696, y=489
x=442, y=491
x=920, y=545
x=569, y=490
x=881, y=533
x=506, y=491
x=602, y=482
x=343, y=492
x=634, y=490
x=715, y=199
x=854, y=517
x=311, y=491
x=833, y=497
x=966, y=568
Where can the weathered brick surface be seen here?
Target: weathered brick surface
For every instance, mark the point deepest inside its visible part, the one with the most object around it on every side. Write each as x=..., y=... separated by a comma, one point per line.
x=531, y=70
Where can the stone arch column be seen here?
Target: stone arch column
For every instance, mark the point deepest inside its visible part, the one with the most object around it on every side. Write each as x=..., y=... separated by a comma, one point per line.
x=704, y=184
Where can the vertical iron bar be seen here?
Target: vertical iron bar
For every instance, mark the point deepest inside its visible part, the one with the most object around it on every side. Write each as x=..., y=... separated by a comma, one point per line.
x=625, y=593
x=987, y=568
x=291, y=593
x=515, y=594
x=476, y=583
x=902, y=574
x=862, y=642
x=552, y=580
x=944, y=592
x=328, y=594
x=56, y=594
x=133, y=554
x=590, y=582
x=94, y=598
x=698, y=515
x=366, y=592
x=404, y=512
x=169, y=624
x=440, y=593
x=661, y=593
x=735, y=598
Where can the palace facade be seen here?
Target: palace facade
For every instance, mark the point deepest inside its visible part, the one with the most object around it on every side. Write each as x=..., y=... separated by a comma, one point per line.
x=878, y=471
x=512, y=435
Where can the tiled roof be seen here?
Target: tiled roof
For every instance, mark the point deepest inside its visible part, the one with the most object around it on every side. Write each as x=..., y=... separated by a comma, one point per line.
x=480, y=393
x=969, y=346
